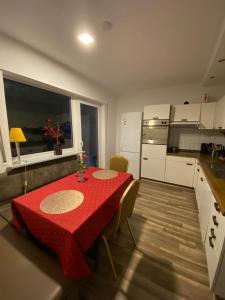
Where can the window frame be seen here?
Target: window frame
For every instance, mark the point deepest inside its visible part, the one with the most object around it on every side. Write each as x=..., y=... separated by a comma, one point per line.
x=101, y=130
x=41, y=156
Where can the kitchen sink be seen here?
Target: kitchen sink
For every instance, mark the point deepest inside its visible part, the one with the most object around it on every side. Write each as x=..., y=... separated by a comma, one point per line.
x=218, y=169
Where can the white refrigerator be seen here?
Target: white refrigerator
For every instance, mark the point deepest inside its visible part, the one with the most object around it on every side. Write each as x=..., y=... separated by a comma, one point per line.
x=130, y=141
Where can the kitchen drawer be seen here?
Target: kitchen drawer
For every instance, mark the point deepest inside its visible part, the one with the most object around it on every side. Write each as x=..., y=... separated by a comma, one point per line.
x=181, y=159
x=197, y=171
x=180, y=171
x=218, y=221
x=212, y=255
x=153, y=168
x=157, y=151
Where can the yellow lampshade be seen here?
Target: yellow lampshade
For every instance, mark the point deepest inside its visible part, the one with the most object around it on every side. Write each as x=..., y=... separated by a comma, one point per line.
x=16, y=135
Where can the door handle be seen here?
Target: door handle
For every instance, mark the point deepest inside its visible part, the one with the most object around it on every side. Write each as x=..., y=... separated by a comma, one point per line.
x=211, y=242
x=145, y=158
x=216, y=205
x=215, y=221
x=189, y=164
x=213, y=233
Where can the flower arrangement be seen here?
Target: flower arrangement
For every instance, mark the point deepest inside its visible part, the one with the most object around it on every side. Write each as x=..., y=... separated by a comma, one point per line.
x=52, y=131
x=53, y=136
x=83, y=157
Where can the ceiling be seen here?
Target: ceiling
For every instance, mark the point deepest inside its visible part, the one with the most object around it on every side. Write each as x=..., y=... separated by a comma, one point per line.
x=152, y=43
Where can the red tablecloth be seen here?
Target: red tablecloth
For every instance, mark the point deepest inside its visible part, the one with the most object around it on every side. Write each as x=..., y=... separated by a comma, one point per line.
x=71, y=234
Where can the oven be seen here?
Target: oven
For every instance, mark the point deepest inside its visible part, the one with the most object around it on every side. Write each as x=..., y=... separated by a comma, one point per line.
x=155, y=132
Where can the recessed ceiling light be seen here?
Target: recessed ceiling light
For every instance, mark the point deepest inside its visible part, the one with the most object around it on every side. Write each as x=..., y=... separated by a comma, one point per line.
x=221, y=60
x=86, y=38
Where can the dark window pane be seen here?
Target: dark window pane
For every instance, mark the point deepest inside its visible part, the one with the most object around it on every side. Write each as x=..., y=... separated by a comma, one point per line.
x=29, y=108
x=89, y=126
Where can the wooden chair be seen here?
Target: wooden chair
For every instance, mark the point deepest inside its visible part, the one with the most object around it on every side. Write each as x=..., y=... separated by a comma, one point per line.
x=125, y=211
x=118, y=163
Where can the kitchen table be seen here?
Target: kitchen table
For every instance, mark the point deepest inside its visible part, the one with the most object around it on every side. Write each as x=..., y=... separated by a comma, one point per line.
x=70, y=234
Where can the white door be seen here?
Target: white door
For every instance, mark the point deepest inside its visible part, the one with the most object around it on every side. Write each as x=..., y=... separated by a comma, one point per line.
x=188, y=112
x=153, y=168
x=219, y=121
x=197, y=170
x=207, y=115
x=161, y=111
x=211, y=254
x=200, y=187
x=180, y=171
x=131, y=124
x=204, y=210
x=134, y=163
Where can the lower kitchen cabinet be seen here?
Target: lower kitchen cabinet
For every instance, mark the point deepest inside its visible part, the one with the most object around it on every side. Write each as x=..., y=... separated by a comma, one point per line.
x=153, y=162
x=212, y=225
x=180, y=170
x=153, y=168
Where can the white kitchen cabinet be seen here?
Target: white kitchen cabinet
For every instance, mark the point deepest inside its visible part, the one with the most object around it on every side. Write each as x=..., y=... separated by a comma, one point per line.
x=219, y=120
x=214, y=244
x=196, y=174
x=161, y=111
x=212, y=256
x=207, y=115
x=180, y=170
x=153, y=161
x=204, y=210
x=186, y=113
x=200, y=187
x=153, y=168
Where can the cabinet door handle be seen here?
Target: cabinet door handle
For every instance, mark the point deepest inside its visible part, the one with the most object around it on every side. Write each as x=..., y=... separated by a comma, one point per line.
x=198, y=170
x=189, y=164
x=184, y=120
x=145, y=158
x=201, y=179
x=211, y=242
x=219, y=127
x=215, y=221
x=213, y=233
x=216, y=205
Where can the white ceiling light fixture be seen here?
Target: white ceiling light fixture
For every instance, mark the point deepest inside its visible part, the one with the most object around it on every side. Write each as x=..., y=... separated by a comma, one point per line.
x=86, y=38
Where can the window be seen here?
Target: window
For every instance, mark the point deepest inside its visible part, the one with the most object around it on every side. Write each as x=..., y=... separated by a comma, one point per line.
x=29, y=108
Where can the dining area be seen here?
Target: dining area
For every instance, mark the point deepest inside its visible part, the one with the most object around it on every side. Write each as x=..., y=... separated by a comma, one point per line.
x=68, y=219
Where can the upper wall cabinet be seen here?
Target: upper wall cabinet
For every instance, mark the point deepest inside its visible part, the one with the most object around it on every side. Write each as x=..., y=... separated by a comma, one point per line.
x=219, y=121
x=186, y=113
x=157, y=112
x=207, y=115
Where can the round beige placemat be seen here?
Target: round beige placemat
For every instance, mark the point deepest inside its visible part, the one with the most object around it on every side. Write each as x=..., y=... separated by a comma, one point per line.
x=105, y=174
x=61, y=202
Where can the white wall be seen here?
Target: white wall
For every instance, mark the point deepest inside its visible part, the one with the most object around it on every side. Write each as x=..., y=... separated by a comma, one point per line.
x=17, y=59
x=173, y=95
x=191, y=138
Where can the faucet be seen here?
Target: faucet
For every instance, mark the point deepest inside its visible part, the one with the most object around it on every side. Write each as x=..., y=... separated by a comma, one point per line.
x=215, y=150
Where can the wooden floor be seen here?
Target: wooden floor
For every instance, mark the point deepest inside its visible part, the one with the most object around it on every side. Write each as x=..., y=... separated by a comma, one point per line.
x=169, y=261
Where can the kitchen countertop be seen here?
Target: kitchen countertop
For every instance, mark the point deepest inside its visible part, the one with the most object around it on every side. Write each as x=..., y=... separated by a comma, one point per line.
x=216, y=184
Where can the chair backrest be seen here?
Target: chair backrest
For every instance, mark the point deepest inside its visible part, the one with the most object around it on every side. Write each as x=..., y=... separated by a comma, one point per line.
x=118, y=163
x=127, y=203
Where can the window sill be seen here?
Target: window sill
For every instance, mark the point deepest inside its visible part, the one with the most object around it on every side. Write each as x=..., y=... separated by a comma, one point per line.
x=35, y=159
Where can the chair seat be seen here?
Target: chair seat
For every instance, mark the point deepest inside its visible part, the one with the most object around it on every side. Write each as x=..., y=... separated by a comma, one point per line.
x=27, y=272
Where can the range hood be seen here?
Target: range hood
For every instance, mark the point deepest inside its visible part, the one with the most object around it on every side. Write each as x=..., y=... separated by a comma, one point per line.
x=194, y=124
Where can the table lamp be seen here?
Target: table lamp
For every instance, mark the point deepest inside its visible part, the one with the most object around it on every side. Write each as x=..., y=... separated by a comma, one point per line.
x=16, y=135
